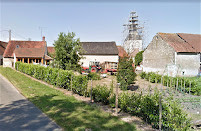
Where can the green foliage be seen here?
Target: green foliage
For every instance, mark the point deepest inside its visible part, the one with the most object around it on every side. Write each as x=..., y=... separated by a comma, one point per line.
x=64, y=109
x=190, y=84
x=93, y=76
x=55, y=76
x=147, y=107
x=143, y=75
x=138, y=58
x=101, y=94
x=68, y=51
x=80, y=85
x=125, y=74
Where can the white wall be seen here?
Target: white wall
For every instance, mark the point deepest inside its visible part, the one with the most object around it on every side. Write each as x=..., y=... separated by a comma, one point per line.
x=7, y=62
x=189, y=63
x=98, y=58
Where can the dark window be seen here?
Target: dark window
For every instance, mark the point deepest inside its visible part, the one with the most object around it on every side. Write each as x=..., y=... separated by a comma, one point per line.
x=25, y=60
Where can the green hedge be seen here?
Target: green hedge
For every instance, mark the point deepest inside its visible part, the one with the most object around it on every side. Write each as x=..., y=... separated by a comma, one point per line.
x=146, y=107
x=94, y=76
x=172, y=82
x=54, y=76
x=101, y=94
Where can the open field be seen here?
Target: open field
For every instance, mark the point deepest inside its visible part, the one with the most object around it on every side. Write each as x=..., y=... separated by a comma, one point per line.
x=66, y=111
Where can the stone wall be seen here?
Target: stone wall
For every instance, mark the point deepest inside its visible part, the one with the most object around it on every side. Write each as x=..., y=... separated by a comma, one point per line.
x=157, y=56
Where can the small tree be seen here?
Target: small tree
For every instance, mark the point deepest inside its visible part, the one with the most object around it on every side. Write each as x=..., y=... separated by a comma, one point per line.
x=67, y=50
x=125, y=74
x=138, y=58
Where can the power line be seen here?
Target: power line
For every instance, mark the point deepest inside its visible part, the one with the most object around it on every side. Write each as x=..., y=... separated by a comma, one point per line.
x=19, y=35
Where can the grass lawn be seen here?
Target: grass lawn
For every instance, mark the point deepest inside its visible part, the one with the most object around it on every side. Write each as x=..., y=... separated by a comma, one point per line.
x=66, y=111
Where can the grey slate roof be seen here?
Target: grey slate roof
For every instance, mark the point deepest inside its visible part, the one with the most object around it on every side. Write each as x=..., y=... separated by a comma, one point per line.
x=99, y=48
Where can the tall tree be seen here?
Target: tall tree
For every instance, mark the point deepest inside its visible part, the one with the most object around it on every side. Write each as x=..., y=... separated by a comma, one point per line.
x=68, y=50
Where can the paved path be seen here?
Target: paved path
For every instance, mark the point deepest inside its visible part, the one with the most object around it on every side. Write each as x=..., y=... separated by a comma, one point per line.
x=18, y=114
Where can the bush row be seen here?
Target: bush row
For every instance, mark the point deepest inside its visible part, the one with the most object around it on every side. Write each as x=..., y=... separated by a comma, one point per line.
x=54, y=76
x=146, y=107
x=179, y=82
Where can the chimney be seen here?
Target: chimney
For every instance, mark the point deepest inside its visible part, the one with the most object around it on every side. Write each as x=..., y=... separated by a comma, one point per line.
x=43, y=38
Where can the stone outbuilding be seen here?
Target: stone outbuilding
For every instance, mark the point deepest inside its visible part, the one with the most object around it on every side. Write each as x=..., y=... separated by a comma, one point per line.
x=173, y=54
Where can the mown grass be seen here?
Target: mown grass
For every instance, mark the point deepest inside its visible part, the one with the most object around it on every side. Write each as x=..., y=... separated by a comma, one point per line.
x=66, y=111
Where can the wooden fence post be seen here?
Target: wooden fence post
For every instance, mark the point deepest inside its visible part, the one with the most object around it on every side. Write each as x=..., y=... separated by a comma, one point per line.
x=116, y=101
x=91, y=89
x=181, y=86
x=190, y=88
x=160, y=106
x=71, y=84
x=184, y=86
x=177, y=84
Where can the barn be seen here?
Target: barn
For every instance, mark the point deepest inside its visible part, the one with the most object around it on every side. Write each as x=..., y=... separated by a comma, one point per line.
x=100, y=53
x=173, y=54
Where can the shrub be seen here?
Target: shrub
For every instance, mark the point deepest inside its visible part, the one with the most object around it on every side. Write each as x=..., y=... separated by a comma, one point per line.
x=138, y=58
x=93, y=76
x=143, y=75
x=55, y=76
x=125, y=74
x=101, y=94
x=147, y=107
x=80, y=84
x=172, y=82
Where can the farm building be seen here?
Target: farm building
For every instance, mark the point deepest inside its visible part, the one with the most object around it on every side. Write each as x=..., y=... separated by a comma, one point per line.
x=26, y=52
x=173, y=54
x=2, y=49
x=100, y=53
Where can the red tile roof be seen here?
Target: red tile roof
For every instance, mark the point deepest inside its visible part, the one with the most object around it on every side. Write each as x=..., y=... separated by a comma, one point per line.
x=177, y=43
x=2, y=47
x=30, y=52
x=122, y=52
x=22, y=44
x=193, y=39
x=50, y=49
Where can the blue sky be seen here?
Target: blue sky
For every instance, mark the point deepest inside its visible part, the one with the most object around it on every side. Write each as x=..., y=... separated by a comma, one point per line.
x=97, y=21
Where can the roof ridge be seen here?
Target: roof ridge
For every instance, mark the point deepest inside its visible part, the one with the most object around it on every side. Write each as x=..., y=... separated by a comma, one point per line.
x=25, y=41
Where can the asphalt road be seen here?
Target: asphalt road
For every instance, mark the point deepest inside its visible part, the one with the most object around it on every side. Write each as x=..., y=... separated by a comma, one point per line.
x=19, y=114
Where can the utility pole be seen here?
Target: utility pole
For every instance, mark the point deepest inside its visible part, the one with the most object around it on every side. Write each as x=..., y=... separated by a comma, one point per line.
x=9, y=35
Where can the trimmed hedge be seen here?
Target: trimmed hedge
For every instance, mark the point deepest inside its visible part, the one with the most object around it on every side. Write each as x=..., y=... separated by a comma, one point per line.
x=94, y=76
x=101, y=94
x=54, y=76
x=172, y=82
x=146, y=107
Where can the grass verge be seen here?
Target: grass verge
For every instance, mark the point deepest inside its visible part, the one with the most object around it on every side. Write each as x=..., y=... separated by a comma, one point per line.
x=66, y=111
